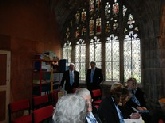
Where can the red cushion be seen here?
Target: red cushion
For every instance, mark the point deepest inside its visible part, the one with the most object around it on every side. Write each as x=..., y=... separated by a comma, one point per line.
x=96, y=93
x=37, y=100
x=19, y=105
x=23, y=119
x=97, y=101
x=43, y=113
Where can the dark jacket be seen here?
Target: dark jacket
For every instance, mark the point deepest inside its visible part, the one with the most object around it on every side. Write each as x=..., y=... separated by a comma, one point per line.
x=66, y=77
x=107, y=111
x=97, y=79
x=139, y=94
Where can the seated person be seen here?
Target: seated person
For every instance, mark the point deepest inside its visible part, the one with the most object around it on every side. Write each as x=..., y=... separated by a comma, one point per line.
x=116, y=85
x=70, y=109
x=108, y=110
x=137, y=100
x=92, y=116
x=127, y=112
x=136, y=96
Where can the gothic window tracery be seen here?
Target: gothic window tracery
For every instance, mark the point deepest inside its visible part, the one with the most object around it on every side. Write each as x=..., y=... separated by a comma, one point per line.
x=95, y=36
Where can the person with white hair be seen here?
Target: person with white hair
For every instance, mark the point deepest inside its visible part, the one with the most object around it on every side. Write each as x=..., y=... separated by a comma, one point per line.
x=92, y=116
x=70, y=78
x=70, y=109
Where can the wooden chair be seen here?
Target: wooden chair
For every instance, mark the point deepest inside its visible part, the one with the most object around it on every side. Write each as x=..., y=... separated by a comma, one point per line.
x=19, y=107
x=43, y=114
x=39, y=101
x=97, y=97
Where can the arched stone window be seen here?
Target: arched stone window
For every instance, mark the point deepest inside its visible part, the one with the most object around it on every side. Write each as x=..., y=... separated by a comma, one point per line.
x=105, y=32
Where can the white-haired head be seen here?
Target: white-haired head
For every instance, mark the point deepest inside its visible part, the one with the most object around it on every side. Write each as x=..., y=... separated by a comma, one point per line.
x=72, y=64
x=70, y=109
x=85, y=93
x=71, y=67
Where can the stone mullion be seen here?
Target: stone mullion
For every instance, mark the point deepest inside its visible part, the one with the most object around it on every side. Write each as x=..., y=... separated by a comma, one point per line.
x=103, y=38
x=121, y=41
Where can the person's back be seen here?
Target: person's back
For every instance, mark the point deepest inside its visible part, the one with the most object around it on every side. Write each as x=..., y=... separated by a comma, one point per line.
x=70, y=109
x=92, y=114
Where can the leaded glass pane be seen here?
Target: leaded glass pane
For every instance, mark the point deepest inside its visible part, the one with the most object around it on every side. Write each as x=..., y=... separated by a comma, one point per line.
x=77, y=17
x=107, y=27
x=68, y=33
x=91, y=7
x=95, y=53
x=91, y=26
x=107, y=10
x=83, y=16
x=124, y=10
x=77, y=32
x=67, y=51
x=132, y=51
x=83, y=32
x=115, y=24
x=80, y=60
x=98, y=26
x=112, y=59
x=115, y=8
x=132, y=59
x=98, y=5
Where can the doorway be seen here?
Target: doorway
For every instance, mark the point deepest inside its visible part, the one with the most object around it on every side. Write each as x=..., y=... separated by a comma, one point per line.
x=5, y=61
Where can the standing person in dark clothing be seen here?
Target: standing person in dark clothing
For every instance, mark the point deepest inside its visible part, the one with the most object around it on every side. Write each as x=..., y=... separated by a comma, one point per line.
x=94, y=77
x=71, y=78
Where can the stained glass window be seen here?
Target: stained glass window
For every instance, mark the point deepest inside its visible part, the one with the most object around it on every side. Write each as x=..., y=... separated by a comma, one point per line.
x=83, y=15
x=67, y=44
x=98, y=26
x=91, y=7
x=95, y=35
x=91, y=26
x=132, y=50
